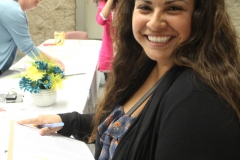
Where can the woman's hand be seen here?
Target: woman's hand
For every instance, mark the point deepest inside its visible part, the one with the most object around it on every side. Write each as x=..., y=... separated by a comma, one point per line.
x=43, y=119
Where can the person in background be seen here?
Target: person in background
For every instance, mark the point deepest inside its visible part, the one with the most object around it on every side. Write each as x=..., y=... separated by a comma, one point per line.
x=173, y=91
x=104, y=18
x=15, y=32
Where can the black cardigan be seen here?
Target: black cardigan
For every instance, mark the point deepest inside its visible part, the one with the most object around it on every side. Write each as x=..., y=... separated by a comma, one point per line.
x=184, y=119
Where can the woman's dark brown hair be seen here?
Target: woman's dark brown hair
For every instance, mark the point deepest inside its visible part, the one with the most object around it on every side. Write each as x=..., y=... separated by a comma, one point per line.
x=211, y=50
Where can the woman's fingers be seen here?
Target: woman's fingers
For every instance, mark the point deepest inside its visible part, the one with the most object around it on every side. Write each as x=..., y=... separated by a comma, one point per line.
x=30, y=121
x=47, y=130
x=43, y=119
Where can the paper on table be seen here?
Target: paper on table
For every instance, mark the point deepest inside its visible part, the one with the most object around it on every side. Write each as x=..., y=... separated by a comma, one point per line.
x=4, y=124
x=71, y=56
x=73, y=67
x=58, y=51
x=28, y=144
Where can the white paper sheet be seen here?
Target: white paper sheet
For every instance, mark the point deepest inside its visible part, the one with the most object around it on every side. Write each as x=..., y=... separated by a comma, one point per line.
x=28, y=144
x=4, y=125
x=73, y=67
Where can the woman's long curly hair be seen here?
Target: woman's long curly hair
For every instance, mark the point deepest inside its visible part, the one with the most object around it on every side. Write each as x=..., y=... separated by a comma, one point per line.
x=211, y=51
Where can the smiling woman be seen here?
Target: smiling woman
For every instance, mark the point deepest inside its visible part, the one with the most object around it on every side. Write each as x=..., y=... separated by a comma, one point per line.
x=178, y=77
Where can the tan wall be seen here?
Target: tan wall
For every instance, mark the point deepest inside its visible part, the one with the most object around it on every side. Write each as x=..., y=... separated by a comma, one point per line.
x=234, y=12
x=50, y=16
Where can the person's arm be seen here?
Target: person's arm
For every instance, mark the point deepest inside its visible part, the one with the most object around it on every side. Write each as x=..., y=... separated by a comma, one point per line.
x=57, y=61
x=103, y=12
x=107, y=9
x=77, y=125
x=16, y=23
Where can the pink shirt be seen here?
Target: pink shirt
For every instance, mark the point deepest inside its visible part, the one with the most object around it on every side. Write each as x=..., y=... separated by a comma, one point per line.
x=106, y=51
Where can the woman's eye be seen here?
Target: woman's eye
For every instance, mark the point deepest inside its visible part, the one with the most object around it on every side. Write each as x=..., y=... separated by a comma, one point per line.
x=144, y=7
x=174, y=8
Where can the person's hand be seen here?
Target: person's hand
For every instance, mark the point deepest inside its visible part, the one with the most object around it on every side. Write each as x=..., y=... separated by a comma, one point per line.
x=43, y=119
x=59, y=63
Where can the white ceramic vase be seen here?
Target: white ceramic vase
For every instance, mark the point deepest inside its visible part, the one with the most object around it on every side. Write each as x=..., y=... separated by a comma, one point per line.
x=44, y=98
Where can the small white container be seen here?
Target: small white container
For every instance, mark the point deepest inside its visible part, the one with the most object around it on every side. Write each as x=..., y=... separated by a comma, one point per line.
x=44, y=98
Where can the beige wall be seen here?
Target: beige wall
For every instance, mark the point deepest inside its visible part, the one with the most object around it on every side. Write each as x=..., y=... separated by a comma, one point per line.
x=50, y=16
x=234, y=12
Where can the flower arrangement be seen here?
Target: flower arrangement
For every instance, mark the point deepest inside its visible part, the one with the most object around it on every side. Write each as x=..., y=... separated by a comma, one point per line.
x=42, y=74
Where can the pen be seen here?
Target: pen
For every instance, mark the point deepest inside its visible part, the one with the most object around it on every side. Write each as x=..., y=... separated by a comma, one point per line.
x=51, y=125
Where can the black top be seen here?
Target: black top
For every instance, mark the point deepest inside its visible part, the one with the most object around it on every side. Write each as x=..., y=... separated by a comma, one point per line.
x=184, y=119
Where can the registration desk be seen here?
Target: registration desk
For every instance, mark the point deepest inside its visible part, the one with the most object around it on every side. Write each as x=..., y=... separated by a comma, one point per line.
x=79, y=89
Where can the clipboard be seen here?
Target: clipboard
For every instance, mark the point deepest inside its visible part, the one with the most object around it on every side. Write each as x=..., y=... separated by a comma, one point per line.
x=25, y=142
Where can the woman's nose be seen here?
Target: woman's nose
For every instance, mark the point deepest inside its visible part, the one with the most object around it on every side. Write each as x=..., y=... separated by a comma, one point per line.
x=157, y=22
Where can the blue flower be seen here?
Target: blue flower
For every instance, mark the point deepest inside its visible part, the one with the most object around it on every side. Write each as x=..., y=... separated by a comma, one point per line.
x=46, y=82
x=24, y=83
x=35, y=87
x=57, y=70
x=41, y=65
x=28, y=85
x=43, y=74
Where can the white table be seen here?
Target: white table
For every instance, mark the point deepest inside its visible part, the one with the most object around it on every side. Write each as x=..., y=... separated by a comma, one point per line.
x=81, y=54
x=73, y=96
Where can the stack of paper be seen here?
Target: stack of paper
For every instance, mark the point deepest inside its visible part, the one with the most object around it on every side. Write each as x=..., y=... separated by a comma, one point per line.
x=25, y=143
